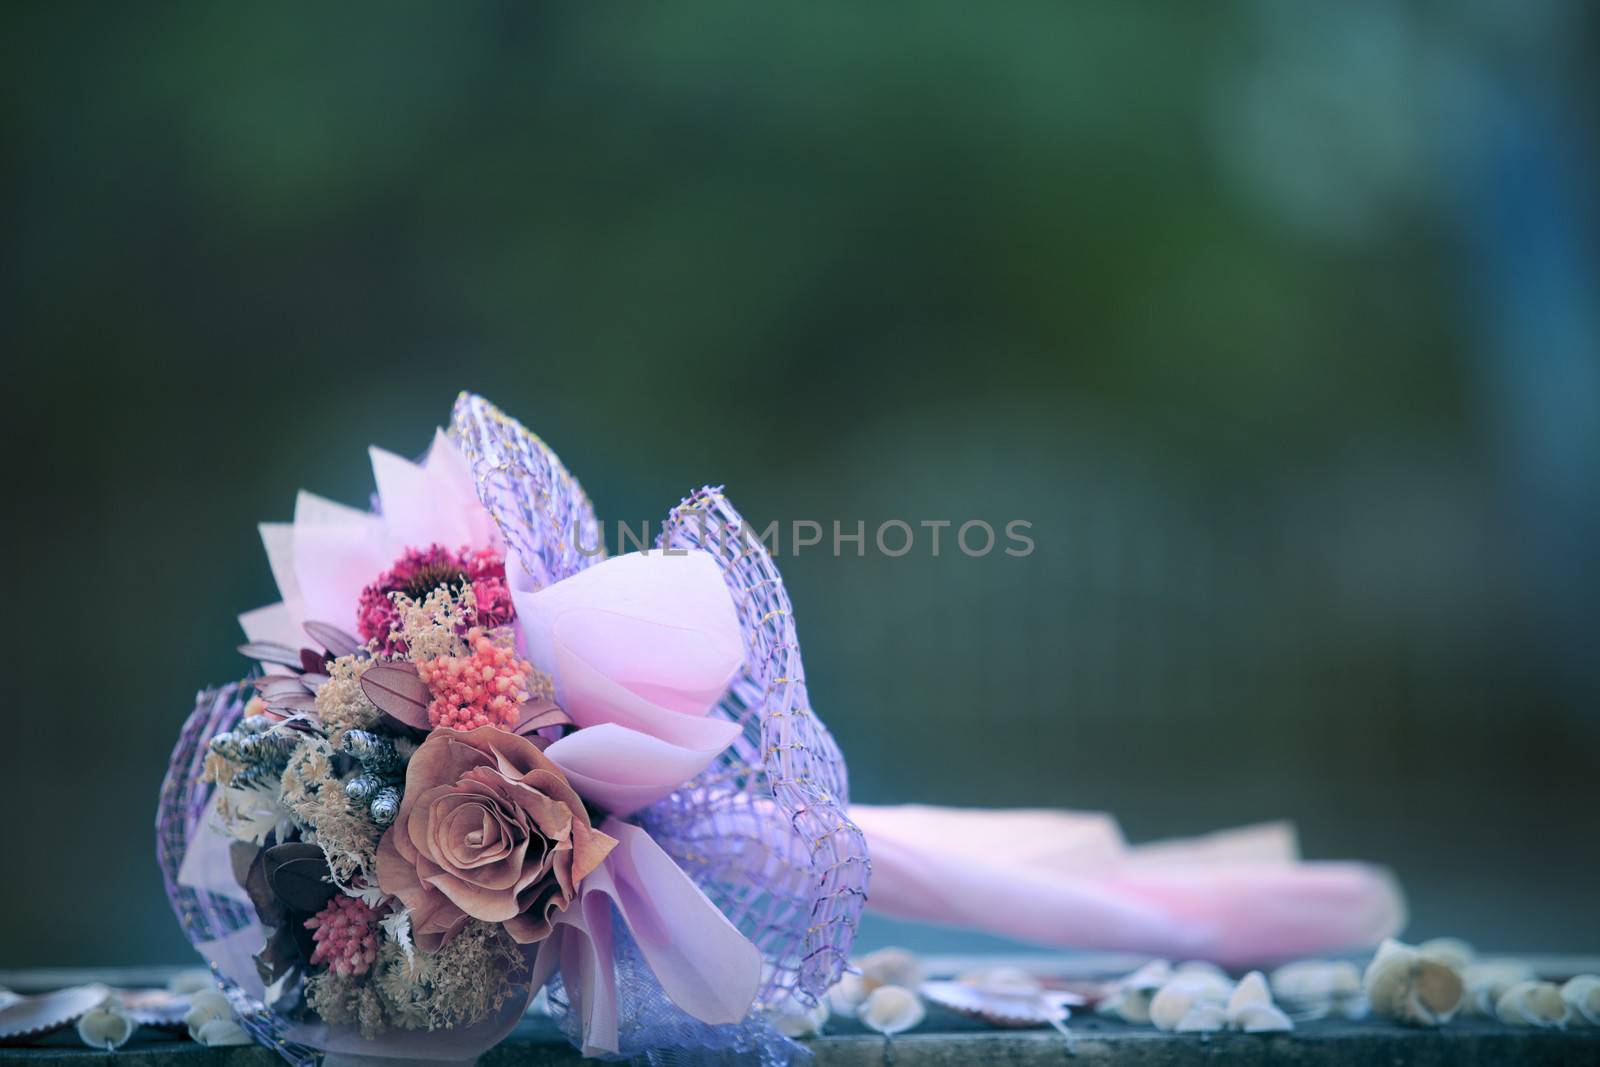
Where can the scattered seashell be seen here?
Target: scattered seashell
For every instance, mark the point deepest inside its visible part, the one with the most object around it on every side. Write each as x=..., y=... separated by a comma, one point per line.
x=1151, y=976
x=1003, y=996
x=154, y=1007
x=1129, y=999
x=886, y=966
x=1204, y=1019
x=1250, y=1007
x=1411, y=988
x=33, y=1016
x=1532, y=1004
x=1002, y=981
x=1316, y=989
x=106, y=1026
x=205, y=1007
x=1183, y=994
x=191, y=980
x=1259, y=1018
x=1451, y=950
x=848, y=993
x=891, y=1009
x=220, y=1032
x=892, y=966
x=1582, y=994
x=1487, y=981
x=1201, y=967
x=792, y=1017
x=1252, y=989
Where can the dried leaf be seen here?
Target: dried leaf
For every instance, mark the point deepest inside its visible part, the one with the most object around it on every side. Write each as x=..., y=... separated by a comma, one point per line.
x=335, y=640
x=538, y=713
x=297, y=874
x=280, y=955
x=269, y=909
x=395, y=690
x=271, y=652
x=281, y=686
x=311, y=661
x=267, y=679
x=287, y=703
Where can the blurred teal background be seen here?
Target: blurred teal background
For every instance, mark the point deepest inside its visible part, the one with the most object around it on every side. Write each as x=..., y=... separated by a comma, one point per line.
x=1277, y=321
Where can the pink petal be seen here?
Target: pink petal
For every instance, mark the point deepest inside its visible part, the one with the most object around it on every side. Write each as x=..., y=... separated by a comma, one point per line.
x=278, y=539
x=623, y=770
x=645, y=640
x=272, y=623
x=452, y=473
x=338, y=551
x=416, y=511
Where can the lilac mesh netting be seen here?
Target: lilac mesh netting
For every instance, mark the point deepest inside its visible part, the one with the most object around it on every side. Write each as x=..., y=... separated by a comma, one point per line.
x=541, y=510
x=179, y=816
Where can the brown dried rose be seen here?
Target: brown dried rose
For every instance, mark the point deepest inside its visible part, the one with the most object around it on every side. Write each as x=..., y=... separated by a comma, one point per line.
x=489, y=829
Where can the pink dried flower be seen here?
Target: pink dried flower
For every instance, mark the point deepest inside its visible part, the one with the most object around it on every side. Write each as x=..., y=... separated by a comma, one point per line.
x=483, y=688
x=418, y=572
x=346, y=935
x=486, y=570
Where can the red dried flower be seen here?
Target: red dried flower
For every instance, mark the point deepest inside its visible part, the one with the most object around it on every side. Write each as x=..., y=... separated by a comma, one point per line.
x=418, y=572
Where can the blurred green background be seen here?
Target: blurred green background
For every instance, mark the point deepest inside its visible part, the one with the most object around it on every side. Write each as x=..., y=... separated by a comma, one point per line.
x=1277, y=321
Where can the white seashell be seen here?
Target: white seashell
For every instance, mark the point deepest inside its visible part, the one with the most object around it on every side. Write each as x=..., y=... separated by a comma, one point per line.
x=191, y=980
x=206, y=1006
x=1316, y=989
x=1185, y=991
x=848, y=993
x=1252, y=989
x=1129, y=999
x=219, y=1032
x=1487, y=981
x=1205, y=967
x=891, y=1009
x=1217, y=987
x=1002, y=981
x=792, y=1017
x=153, y=1007
x=1258, y=1018
x=1171, y=1004
x=1452, y=950
x=1410, y=988
x=892, y=966
x=1003, y=1008
x=1532, y=1004
x=1151, y=976
x=106, y=1027
x=1582, y=995
x=1129, y=1005
x=1204, y=1019
x=33, y=1016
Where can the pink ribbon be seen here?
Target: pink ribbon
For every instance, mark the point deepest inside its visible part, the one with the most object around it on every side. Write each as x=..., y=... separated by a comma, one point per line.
x=1069, y=880
x=703, y=963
